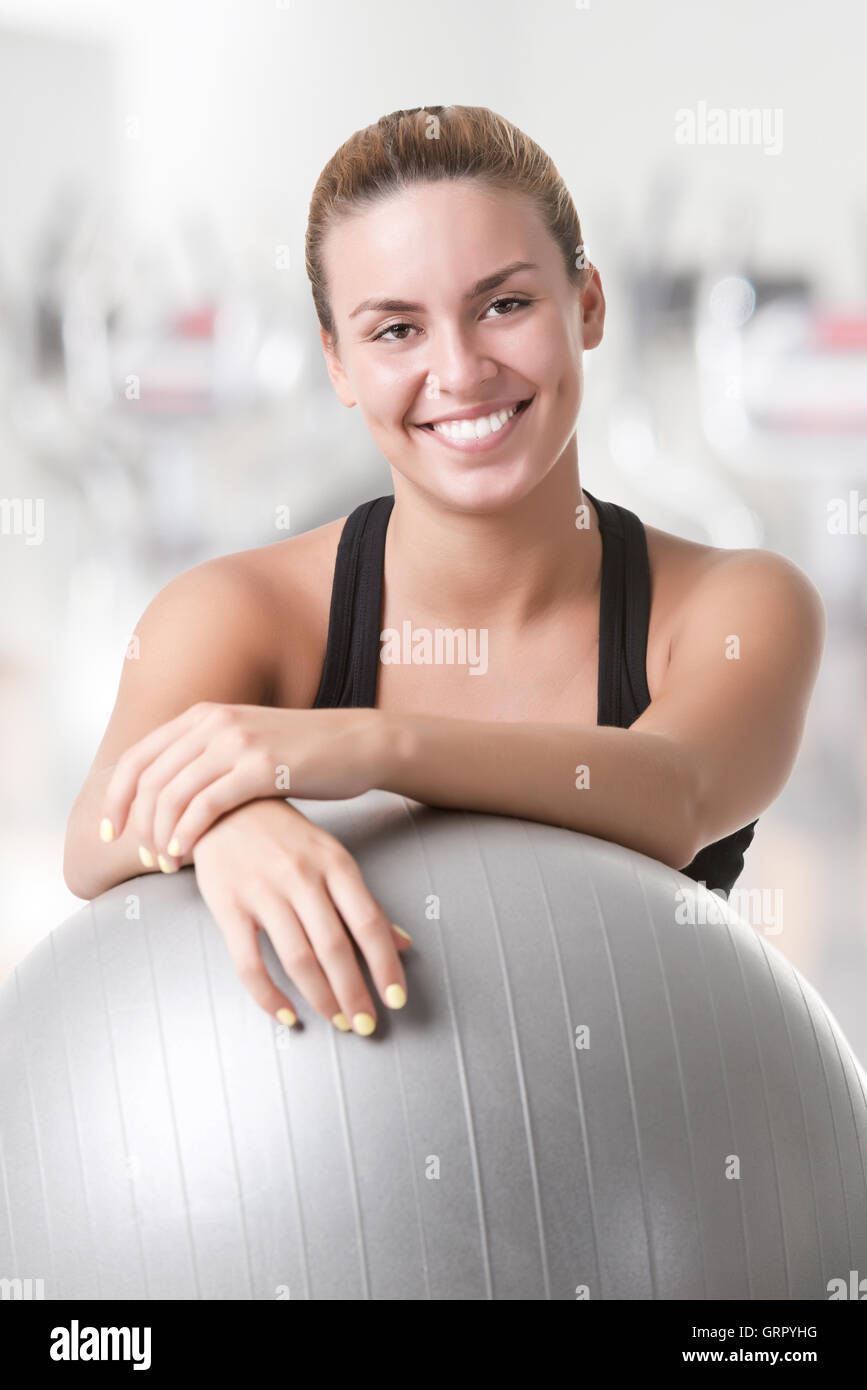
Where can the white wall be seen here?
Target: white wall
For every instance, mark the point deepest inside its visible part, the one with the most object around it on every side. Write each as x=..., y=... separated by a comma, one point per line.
x=241, y=104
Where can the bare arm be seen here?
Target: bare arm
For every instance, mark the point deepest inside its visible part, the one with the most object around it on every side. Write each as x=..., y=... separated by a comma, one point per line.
x=628, y=787
x=208, y=635
x=713, y=749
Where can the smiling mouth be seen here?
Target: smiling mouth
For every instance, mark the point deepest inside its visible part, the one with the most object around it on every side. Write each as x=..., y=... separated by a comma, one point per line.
x=459, y=434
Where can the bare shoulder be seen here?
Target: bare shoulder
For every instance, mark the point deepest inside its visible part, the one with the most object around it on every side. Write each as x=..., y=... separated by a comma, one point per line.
x=696, y=583
x=288, y=585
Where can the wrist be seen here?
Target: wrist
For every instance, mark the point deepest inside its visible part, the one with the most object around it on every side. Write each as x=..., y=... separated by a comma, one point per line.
x=396, y=740
x=232, y=814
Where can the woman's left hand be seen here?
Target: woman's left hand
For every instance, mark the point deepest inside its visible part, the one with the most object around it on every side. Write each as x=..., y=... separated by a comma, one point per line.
x=177, y=781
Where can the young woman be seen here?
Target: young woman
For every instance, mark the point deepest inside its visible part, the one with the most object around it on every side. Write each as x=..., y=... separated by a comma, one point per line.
x=570, y=665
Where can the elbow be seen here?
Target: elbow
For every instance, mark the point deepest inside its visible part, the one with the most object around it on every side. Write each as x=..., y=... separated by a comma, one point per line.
x=69, y=877
x=72, y=880
x=677, y=854
x=76, y=886
x=685, y=838
x=73, y=877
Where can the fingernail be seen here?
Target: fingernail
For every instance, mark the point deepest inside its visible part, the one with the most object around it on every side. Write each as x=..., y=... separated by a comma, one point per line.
x=340, y=1021
x=405, y=934
x=286, y=1016
x=164, y=864
x=175, y=847
x=146, y=857
x=364, y=1024
x=395, y=996
x=106, y=830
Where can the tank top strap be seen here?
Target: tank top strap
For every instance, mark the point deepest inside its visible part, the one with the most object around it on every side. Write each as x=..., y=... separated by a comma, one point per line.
x=351, y=665
x=624, y=615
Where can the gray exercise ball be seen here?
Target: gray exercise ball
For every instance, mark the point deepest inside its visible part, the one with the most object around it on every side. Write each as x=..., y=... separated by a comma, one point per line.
x=585, y=1097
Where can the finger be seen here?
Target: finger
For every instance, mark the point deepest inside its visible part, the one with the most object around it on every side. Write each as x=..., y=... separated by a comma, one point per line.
x=240, y=934
x=371, y=927
x=295, y=953
x=194, y=800
x=335, y=952
x=402, y=938
x=131, y=764
x=144, y=812
x=140, y=819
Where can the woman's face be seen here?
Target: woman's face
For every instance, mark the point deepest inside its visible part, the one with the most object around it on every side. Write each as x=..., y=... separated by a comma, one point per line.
x=422, y=338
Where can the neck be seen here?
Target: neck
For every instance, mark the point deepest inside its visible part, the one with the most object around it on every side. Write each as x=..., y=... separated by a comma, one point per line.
x=509, y=567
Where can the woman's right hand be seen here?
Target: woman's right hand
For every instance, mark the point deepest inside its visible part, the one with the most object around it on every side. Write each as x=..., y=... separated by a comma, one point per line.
x=265, y=865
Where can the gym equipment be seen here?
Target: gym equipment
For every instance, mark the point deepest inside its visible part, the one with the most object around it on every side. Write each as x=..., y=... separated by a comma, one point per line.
x=605, y=1084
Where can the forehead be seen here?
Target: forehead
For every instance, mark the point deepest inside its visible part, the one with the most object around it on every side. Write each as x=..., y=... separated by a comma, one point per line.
x=432, y=236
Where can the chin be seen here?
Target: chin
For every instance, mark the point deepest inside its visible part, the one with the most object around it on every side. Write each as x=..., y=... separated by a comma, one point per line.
x=482, y=490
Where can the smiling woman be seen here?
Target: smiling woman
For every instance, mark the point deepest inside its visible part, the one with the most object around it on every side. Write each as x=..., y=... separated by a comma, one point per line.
x=637, y=686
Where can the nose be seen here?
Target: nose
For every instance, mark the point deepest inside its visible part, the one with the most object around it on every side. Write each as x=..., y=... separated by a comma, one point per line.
x=457, y=364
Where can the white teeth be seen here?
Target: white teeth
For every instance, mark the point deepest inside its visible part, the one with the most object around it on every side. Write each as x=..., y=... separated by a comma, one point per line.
x=475, y=429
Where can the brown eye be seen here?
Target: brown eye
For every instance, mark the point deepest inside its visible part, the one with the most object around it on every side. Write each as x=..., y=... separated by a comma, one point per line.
x=390, y=329
x=510, y=299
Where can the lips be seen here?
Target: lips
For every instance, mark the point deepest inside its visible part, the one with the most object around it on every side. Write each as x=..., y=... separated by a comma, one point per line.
x=469, y=446
x=429, y=425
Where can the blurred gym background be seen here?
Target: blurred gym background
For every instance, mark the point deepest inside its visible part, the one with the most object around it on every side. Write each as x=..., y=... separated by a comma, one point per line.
x=163, y=394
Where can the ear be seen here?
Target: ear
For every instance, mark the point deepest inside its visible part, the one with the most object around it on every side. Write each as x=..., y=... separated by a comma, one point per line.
x=592, y=301
x=339, y=379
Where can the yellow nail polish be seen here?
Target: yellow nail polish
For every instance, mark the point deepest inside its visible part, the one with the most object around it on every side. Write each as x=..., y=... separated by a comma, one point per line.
x=340, y=1021
x=286, y=1016
x=400, y=930
x=175, y=847
x=164, y=864
x=146, y=857
x=395, y=996
x=106, y=830
x=364, y=1024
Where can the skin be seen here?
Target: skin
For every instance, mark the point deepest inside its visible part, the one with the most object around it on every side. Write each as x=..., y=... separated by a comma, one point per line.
x=477, y=517
x=486, y=541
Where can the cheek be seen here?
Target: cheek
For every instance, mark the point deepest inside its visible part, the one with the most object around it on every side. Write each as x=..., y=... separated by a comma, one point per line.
x=556, y=366
x=548, y=352
x=389, y=393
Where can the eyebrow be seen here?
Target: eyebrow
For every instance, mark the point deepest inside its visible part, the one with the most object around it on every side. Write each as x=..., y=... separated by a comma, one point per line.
x=403, y=306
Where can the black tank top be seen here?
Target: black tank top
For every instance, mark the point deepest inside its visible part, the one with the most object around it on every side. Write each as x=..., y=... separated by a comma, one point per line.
x=351, y=667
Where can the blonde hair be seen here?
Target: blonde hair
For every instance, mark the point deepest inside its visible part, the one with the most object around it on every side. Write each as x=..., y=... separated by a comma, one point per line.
x=426, y=144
